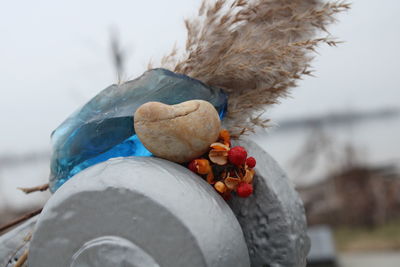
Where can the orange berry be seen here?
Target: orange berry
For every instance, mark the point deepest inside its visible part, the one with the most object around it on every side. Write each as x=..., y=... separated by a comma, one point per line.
x=220, y=187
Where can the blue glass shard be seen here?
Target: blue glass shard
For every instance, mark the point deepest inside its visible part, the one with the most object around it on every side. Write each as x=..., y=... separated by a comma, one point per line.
x=103, y=127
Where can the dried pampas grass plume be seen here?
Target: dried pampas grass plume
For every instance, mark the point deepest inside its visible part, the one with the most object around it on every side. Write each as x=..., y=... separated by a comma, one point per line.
x=255, y=50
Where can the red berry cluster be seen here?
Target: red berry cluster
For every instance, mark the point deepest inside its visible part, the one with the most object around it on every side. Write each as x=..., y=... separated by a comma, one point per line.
x=227, y=169
x=238, y=156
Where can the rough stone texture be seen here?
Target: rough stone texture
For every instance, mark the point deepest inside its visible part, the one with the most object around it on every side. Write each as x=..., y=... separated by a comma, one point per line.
x=161, y=211
x=178, y=133
x=14, y=243
x=272, y=219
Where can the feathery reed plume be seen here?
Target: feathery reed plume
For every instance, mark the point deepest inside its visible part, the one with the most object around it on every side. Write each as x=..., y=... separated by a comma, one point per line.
x=255, y=50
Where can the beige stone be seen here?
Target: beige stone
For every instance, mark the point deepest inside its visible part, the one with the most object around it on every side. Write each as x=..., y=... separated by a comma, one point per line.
x=179, y=132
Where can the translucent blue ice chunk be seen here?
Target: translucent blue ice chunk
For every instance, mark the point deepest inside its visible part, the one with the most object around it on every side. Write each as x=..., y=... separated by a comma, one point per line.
x=103, y=127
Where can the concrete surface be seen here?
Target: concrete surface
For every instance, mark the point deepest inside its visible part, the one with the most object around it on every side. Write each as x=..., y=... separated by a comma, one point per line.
x=273, y=218
x=134, y=211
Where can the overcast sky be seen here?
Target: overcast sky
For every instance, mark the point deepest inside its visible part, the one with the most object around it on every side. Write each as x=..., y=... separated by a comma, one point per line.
x=55, y=55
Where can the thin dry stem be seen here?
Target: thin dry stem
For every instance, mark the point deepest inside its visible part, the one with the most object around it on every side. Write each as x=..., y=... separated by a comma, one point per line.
x=256, y=50
x=28, y=190
x=20, y=219
x=22, y=259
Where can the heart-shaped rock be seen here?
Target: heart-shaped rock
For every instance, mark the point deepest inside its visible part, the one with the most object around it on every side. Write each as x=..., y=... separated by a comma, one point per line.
x=179, y=132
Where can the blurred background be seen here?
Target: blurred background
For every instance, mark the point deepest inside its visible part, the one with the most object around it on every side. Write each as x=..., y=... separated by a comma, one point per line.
x=336, y=137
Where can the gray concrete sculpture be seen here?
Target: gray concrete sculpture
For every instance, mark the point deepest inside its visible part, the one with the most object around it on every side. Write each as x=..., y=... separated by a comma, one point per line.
x=137, y=212
x=151, y=212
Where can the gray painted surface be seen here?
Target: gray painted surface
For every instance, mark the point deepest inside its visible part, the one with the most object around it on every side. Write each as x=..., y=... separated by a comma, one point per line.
x=14, y=243
x=111, y=251
x=158, y=213
x=272, y=219
x=163, y=213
